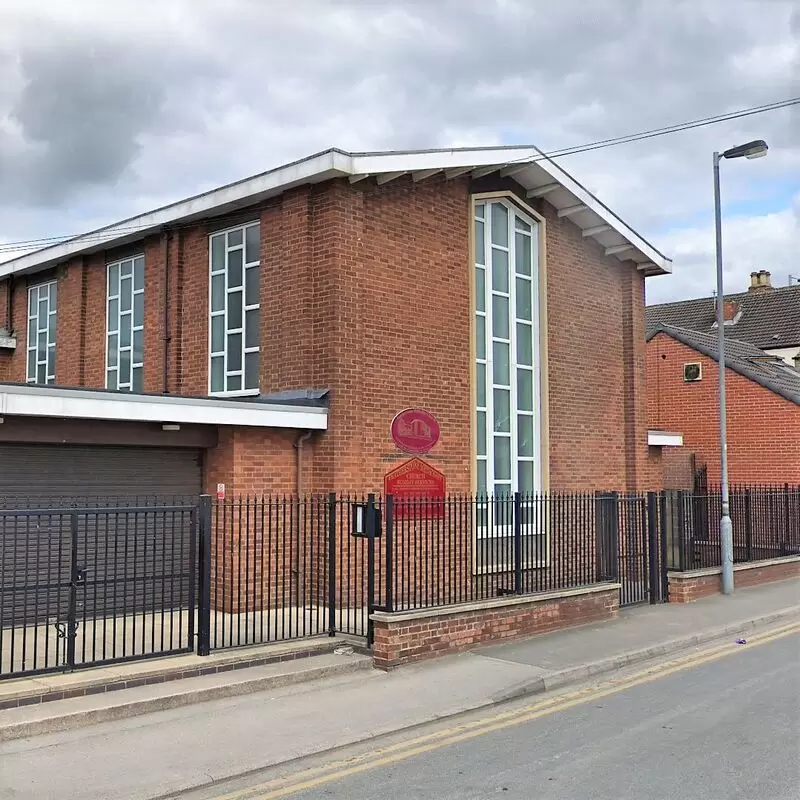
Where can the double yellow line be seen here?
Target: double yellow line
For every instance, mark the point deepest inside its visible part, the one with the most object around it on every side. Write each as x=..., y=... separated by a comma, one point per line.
x=392, y=754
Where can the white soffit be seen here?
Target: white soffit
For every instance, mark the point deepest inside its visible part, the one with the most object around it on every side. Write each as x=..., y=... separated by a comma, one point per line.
x=664, y=439
x=528, y=166
x=46, y=401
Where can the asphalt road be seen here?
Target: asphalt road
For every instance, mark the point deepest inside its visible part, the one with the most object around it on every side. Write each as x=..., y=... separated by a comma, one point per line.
x=725, y=729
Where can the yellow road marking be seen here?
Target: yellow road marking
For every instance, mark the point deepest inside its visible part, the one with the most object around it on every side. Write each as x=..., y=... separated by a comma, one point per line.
x=335, y=771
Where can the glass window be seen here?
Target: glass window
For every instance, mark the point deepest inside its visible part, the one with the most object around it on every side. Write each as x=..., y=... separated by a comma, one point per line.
x=234, y=310
x=125, y=325
x=42, y=333
x=506, y=417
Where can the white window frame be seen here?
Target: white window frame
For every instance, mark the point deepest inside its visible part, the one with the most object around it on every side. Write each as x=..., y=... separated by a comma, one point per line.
x=498, y=517
x=223, y=313
x=131, y=262
x=50, y=332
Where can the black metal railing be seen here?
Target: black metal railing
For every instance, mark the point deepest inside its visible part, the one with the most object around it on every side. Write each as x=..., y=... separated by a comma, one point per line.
x=765, y=519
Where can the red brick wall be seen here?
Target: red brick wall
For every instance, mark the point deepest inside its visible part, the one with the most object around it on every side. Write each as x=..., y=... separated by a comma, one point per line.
x=407, y=638
x=763, y=428
x=686, y=587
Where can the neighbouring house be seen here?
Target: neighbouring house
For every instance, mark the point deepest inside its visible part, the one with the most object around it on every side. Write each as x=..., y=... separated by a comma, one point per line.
x=262, y=336
x=765, y=316
x=763, y=407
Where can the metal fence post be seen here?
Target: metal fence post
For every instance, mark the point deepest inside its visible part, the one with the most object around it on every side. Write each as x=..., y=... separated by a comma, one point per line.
x=748, y=525
x=72, y=609
x=204, y=577
x=370, y=523
x=683, y=539
x=517, y=544
x=652, y=547
x=786, y=520
x=332, y=564
x=662, y=516
x=389, y=553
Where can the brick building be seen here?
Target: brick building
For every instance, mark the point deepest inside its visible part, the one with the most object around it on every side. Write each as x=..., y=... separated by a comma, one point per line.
x=263, y=335
x=763, y=408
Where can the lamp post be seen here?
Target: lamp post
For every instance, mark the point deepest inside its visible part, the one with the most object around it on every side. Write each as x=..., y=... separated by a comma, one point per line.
x=754, y=149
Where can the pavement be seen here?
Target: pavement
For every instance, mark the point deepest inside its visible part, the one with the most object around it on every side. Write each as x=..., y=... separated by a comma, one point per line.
x=204, y=743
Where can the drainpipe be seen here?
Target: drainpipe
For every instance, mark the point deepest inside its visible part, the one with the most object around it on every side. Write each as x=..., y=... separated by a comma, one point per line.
x=10, y=304
x=167, y=235
x=298, y=447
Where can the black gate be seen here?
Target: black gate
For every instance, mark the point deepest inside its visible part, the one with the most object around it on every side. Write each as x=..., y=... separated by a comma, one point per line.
x=90, y=586
x=631, y=546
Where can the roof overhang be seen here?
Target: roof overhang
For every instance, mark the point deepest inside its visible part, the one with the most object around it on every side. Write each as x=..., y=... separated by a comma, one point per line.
x=49, y=401
x=664, y=439
x=529, y=167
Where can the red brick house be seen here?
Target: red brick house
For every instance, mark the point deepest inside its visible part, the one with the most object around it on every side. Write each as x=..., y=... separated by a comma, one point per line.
x=263, y=335
x=763, y=407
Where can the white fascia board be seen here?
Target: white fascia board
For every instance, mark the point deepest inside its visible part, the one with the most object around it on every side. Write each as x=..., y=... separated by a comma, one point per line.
x=320, y=167
x=41, y=401
x=664, y=439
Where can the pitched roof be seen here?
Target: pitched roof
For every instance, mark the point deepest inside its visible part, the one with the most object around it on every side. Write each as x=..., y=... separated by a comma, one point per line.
x=528, y=165
x=768, y=318
x=769, y=371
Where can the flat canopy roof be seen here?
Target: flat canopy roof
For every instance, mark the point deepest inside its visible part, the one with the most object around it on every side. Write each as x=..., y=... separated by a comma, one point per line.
x=528, y=165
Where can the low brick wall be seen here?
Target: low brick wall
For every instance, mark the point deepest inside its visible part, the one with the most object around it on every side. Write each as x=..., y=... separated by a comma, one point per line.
x=686, y=587
x=408, y=636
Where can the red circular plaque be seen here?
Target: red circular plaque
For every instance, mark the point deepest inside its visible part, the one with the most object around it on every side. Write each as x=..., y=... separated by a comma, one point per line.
x=415, y=430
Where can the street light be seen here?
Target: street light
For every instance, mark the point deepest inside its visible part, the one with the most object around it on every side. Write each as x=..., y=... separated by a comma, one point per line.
x=754, y=149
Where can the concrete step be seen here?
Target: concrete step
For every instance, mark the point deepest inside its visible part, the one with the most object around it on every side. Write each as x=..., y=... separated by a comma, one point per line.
x=78, y=712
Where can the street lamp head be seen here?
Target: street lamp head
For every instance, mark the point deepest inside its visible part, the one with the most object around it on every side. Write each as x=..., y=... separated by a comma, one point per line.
x=754, y=149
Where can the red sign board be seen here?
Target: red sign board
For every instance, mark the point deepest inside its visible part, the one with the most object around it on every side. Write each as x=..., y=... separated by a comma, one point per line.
x=415, y=430
x=418, y=490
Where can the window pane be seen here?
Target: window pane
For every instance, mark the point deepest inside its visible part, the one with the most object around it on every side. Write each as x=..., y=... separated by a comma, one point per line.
x=502, y=411
x=520, y=224
x=480, y=433
x=502, y=459
x=480, y=246
x=235, y=269
x=51, y=327
x=234, y=351
x=33, y=300
x=124, y=333
x=125, y=287
x=481, y=477
x=126, y=269
x=218, y=254
x=480, y=337
x=31, y=365
x=251, y=371
x=234, y=383
x=480, y=290
x=42, y=313
x=524, y=344
x=500, y=328
x=235, y=237
x=524, y=299
x=112, y=351
x=217, y=374
x=138, y=309
x=41, y=347
x=32, y=330
x=138, y=347
x=499, y=270
x=480, y=385
x=525, y=476
x=479, y=210
x=251, y=243
x=525, y=436
x=217, y=292
x=251, y=329
x=218, y=334
x=524, y=390
x=138, y=378
x=111, y=380
x=501, y=367
x=53, y=295
x=113, y=315
x=138, y=273
x=113, y=279
x=51, y=360
x=523, y=254
x=41, y=374
x=251, y=287
x=234, y=311
x=499, y=224
x=124, y=367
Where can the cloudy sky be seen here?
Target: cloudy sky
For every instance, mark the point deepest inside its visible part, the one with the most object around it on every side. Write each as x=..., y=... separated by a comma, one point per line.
x=108, y=109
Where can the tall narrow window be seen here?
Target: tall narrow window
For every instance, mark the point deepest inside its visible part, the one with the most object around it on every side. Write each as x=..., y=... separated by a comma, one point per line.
x=125, y=325
x=42, y=333
x=506, y=350
x=234, y=303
